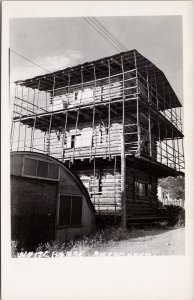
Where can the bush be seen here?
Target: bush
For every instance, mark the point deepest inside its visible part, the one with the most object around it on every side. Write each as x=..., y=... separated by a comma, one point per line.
x=175, y=214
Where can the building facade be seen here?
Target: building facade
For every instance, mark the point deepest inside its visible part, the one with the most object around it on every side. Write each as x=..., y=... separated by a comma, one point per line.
x=116, y=122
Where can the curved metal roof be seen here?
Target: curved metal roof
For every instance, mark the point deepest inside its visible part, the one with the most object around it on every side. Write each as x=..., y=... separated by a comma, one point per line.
x=70, y=172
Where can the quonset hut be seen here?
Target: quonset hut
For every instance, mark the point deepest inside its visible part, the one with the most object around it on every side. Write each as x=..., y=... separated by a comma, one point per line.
x=48, y=201
x=116, y=122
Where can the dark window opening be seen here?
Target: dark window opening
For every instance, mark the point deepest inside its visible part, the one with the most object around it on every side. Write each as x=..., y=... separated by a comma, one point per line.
x=64, y=211
x=70, y=211
x=73, y=141
x=40, y=169
x=143, y=189
x=30, y=166
x=53, y=171
x=76, y=213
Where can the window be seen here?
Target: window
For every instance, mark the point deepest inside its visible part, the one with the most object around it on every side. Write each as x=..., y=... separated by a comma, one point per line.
x=42, y=169
x=143, y=189
x=39, y=168
x=53, y=171
x=70, y=211
x=30, y=166
x=78, y=140
x=86, y=138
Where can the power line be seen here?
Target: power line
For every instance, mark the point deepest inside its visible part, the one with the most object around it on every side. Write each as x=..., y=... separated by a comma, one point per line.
x=103, y=31
x=100, y=28
x=35, y=63
x=116, y=47
x=106, y=31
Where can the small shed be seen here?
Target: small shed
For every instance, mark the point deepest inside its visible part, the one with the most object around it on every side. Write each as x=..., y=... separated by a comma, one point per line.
x=48, y=201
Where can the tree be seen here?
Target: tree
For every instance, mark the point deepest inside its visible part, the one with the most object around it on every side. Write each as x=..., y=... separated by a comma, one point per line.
x=174, y=185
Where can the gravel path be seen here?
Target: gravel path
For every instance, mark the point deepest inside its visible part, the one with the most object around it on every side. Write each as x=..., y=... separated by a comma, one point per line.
x=153, y=242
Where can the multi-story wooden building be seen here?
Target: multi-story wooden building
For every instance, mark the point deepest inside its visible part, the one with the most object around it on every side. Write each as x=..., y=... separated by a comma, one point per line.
x=115, y=121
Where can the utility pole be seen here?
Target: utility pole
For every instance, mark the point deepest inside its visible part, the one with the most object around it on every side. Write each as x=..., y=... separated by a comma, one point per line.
x=9, y=73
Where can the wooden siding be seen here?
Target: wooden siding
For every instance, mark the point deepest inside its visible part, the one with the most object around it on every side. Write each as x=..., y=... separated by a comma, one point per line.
x=95, y=142
x=104, y=188
x=137, y=205
x=91, y=91
x=100, y=140
x=107, y=197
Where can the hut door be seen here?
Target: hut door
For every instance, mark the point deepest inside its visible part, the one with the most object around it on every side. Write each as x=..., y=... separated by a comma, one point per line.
x=33, y=210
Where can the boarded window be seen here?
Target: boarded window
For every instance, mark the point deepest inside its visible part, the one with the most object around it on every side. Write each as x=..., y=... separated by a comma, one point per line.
x=70, y=211
x=30, y=166
x=86, y=139
x=77, y=140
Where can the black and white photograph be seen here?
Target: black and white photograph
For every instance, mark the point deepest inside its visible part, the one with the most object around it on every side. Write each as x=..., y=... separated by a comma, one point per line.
x=96, y=138
x=97, y=143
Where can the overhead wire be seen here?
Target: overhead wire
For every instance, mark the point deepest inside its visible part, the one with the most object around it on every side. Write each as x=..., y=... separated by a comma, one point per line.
x=30, y=61
x=96, y=25
x=103, y=31
x=106, y=31
x=104, y=36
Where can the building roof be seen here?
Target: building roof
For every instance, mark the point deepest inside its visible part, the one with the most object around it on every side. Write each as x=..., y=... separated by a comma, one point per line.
x=72, y=75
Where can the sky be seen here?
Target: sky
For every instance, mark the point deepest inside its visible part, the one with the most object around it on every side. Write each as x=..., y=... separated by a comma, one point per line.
x=57, y=43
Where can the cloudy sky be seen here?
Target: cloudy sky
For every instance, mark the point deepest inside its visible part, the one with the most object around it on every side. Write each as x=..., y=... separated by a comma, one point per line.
x=56, y=43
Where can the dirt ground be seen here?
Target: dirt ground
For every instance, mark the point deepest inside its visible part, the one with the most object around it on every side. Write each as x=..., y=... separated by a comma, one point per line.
x=147, y=242
x=119, y=242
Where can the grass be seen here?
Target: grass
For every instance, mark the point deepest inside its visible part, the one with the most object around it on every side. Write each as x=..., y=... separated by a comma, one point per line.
x=79, y=247
x=87, y=245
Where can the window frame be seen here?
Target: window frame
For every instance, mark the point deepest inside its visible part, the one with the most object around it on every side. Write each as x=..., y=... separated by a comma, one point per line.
x=38, y=177
x=58, y=212
x=147, y=189
x=71, y=140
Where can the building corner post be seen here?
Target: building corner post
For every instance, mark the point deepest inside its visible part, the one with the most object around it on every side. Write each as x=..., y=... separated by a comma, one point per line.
x=123, y=182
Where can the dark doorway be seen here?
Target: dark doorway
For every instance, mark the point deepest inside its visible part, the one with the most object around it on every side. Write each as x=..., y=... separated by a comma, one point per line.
x=33, y=209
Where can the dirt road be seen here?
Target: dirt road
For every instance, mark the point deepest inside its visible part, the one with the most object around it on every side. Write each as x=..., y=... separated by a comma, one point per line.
x=153, y=242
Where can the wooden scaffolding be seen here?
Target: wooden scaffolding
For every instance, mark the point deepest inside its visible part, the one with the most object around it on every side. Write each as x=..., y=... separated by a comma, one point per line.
x=126, y=96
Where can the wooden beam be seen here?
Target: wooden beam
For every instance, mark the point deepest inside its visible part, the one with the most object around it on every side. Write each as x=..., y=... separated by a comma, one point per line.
x=123, y=180
x=123, y=160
